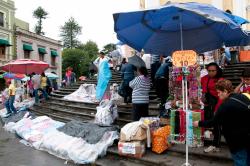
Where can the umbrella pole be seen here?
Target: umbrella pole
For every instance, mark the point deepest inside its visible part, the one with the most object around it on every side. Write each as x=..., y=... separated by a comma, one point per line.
x=185, y=93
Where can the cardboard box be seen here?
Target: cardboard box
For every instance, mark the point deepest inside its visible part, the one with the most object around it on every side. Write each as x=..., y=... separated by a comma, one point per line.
x=134, y=149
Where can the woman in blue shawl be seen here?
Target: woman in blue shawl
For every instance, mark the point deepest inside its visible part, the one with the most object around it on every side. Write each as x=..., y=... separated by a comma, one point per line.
x=104, y=75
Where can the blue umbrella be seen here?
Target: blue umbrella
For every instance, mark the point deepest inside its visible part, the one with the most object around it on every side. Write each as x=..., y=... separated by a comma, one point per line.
x=178, y=26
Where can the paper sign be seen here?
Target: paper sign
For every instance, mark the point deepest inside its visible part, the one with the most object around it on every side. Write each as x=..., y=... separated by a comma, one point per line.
x=128, y=148
x=184, y=58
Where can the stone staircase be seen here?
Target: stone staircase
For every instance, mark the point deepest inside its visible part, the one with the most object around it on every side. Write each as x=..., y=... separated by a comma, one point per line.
x=233, y=72
x=59, y=109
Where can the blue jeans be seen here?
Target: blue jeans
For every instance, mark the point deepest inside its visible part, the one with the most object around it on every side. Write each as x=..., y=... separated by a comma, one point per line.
x=9, y=105
x=45, y=95
x=241, y=158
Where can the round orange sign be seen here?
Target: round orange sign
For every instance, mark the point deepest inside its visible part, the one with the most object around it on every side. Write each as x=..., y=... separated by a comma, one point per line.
x=184, y=58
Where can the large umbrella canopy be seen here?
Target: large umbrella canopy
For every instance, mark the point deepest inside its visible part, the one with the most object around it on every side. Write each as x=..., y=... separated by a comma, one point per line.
x=13, y=76
x=26, y=66
x=160, y=31
x=136, y=61
x=52, y=76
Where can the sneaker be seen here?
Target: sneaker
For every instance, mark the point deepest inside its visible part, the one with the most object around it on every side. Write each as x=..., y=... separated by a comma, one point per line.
x=7, y=115
x=211, y=149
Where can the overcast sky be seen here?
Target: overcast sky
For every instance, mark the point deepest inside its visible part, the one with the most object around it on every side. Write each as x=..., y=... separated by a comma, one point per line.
x=95, y=16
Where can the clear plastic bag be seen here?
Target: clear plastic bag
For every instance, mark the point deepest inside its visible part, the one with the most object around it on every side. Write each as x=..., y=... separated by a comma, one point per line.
x=106, y=113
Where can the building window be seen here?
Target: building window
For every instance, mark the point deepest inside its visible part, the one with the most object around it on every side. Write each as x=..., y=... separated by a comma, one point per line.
x=1, y=19
x=2, y=52
x=26, y=54
x=53, y=61
x=41, y=57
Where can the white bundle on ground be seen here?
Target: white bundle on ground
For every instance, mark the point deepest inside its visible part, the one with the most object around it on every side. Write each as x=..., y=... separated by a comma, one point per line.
x=85, y=93
x=33, y=130
x=76, y=149
x=106, y=113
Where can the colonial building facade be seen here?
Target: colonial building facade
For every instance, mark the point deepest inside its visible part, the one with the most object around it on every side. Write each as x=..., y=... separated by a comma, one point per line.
x=17, y=42
x=7, y=20
x=32, y=46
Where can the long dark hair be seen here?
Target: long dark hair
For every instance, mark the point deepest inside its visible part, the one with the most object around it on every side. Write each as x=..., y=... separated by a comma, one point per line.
x=43, y=74
x=219, y=70
x=143, y=71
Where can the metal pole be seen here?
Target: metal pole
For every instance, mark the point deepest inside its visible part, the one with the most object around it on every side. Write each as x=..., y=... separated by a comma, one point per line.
x=184, y=91
x=181, y=31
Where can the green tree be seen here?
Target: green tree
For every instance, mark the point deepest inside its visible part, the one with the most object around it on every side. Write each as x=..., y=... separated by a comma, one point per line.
x=90, y=48
x=39, y=14
x=109, y=47
x=77, y=59
x=69, y=33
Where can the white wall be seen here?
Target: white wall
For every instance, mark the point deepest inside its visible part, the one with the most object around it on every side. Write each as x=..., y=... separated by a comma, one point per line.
x=218, y=4
x=152, y=3
x=239, y=9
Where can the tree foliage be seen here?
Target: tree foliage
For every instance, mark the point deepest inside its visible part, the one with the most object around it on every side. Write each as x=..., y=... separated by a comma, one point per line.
x=76, y=58
x=90, y=48
x=109, y=47
x=39, y=14
x=69, y=33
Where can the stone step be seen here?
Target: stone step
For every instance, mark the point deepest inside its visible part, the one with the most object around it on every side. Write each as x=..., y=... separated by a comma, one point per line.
x=232, y=71
x=153, y=109
x=123, y=113
x=67, y=115
x=238, y=64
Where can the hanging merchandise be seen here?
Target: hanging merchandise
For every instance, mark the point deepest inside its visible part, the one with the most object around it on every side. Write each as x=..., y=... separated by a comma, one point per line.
x=178, y=127
x=194, y=85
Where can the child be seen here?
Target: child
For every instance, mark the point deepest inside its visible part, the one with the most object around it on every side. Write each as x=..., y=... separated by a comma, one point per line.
x=244, y=86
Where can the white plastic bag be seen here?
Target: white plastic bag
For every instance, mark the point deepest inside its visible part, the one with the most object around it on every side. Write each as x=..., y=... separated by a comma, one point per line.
x=106, y=113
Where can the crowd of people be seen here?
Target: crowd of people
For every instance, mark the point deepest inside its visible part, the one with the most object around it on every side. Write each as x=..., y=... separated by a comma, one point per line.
x=38, y=86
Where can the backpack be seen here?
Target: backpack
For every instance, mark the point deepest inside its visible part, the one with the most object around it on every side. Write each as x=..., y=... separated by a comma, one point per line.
x=243, y=103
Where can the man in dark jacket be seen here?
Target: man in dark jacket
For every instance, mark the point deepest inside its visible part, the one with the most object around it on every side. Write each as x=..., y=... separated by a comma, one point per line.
x=128, y=74
x=161, y=81
x=233, y=116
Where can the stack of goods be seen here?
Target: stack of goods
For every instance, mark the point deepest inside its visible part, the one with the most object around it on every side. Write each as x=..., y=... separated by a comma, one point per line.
x=132, y=139
x=178, y=127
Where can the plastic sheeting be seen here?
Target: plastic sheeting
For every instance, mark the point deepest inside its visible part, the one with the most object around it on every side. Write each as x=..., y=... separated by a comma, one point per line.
x=42, y=134
x=90, y=132
x=76, y=149
x=85, y=93
x=33, y=130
